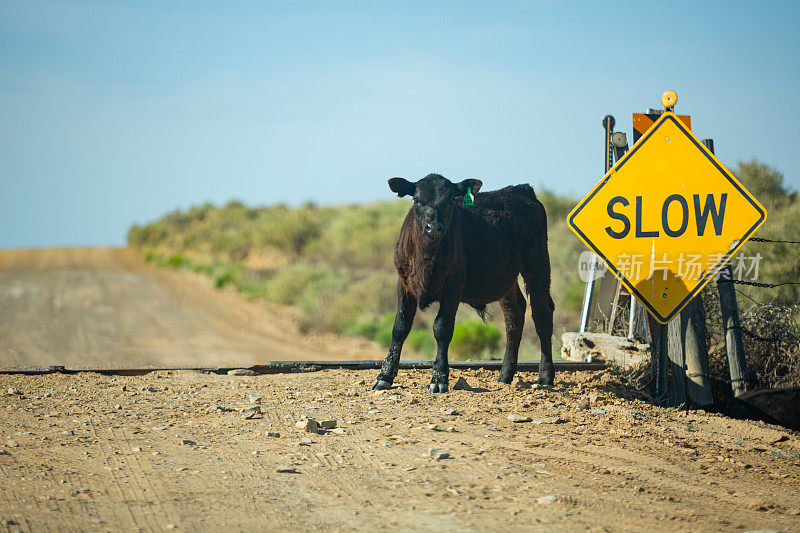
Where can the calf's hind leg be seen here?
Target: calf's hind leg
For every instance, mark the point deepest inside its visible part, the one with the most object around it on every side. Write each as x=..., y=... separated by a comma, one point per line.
x=406, y=309
x=536, y=273
x=513, y=306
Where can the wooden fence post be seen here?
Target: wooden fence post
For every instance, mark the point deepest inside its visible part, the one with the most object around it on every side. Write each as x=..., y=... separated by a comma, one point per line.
x=730, y=321
x=677, y=362
x=689, y=355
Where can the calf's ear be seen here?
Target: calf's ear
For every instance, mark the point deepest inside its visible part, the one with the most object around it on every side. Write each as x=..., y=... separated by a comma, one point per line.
x=475, y=186
x=402, y=187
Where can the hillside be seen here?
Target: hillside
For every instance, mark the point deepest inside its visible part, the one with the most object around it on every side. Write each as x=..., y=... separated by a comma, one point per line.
x=334, y=263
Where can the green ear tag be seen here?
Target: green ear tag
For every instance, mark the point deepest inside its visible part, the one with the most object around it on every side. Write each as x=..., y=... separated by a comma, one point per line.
x=468, y=198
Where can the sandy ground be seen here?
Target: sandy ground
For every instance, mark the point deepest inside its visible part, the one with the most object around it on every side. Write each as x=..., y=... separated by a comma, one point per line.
x=105, y=308
x=170, y=449
x=92, y=452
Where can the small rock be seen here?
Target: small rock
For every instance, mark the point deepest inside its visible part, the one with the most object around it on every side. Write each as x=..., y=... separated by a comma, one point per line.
x=11, y=443
x=361, y=382
x=551, y=420
x=461, y=384
x=250, y=411
x=433, y=427
x=450, y=412
x=352, y=392
x=286, y=469
x=327, y=424
x=593, y=397
x=80, y=490
x=338, y=431
x=137, y=449
x=181, y=469
x=550, y=498
x=521, y=385
x=3, y=451
x=782, y=438
x=582, y=405
x=241, y=372
x=188, y=442
x=222, y=408
x=272, y=434
x=68, y=432
x=451, y=429
x=254, y=398
x=519, y=418
x=307, y=441
x=413, y=401
x=12, y=390
x=118, y=407
x=309, y=425
x=8, y=522
x=597, y=411
x=438, y=454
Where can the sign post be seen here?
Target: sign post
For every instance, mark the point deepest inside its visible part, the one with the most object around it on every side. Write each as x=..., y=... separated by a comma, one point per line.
x=666, y=219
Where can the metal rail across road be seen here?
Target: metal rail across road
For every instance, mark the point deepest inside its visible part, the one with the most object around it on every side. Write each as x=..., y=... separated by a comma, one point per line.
x=284, y=367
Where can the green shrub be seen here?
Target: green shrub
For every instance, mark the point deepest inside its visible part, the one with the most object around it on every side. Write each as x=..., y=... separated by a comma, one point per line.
x=573, y=296
x=371, y=328
x=288, y=231
x=177, y=261
x=384, y=338
x=202, y=268
x=287, y=285
x=223, y=277
x=361, y=236
x=422, y=342
x=371, y=296
x=473, y=337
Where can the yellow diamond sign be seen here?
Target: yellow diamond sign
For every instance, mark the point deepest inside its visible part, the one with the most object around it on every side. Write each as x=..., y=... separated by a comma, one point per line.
x=667, y=217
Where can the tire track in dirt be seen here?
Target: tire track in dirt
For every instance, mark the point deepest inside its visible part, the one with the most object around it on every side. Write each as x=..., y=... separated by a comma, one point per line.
x=116, y=482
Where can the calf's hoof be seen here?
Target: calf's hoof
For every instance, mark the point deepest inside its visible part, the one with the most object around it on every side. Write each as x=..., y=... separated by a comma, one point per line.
x=546, y=381
x=438, y=386
x=381, y=384
x=506, y=378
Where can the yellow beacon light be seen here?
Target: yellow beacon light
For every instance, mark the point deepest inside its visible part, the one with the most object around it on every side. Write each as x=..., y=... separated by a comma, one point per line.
x=669, y=99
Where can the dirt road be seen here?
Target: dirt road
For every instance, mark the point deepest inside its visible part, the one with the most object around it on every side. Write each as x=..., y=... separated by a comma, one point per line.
x=170, y=449
x=92, y=452
x=105, y=307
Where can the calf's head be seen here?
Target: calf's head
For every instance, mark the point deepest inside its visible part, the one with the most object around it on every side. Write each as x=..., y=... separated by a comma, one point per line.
x=435, y=197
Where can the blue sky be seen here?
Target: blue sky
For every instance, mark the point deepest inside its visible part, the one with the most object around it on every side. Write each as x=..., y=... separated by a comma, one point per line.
x=118, y=112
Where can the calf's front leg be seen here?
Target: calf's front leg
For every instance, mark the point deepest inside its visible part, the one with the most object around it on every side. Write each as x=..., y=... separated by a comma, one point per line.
x=443, y=333
x=406, y=309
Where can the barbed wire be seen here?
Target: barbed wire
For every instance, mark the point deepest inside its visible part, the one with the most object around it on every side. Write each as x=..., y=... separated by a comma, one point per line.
x=749, y=333
x=761, y=239
x=758, y=283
